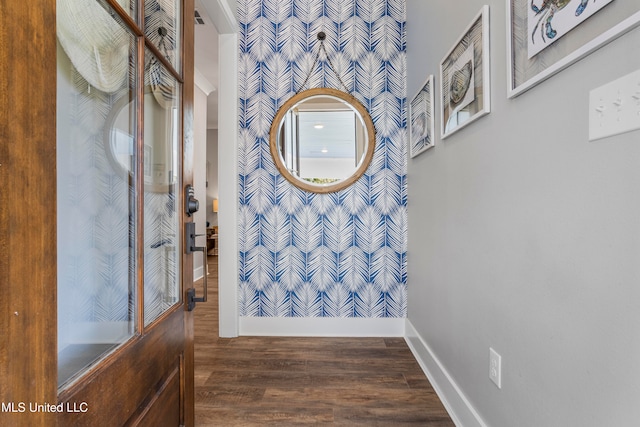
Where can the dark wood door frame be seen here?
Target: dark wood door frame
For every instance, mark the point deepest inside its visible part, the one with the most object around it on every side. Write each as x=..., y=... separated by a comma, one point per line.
x=27, y=208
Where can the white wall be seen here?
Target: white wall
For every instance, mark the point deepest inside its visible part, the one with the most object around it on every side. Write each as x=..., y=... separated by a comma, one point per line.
x=200, y=172
x=228, y=185
x=212, y=179
x=525, y=236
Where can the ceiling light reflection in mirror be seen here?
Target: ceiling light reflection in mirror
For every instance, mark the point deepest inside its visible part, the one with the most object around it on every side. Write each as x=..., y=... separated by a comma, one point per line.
x=322, y=140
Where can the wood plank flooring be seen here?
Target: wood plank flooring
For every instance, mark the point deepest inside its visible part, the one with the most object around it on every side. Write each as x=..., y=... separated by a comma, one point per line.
x=257, y=381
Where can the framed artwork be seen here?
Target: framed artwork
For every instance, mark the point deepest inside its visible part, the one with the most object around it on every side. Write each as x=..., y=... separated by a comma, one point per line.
x=464, y=77
x=421, y=122
x=546, y=36
x=548, y=21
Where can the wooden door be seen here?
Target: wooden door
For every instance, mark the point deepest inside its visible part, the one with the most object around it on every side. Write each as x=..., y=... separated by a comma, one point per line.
x=141, y=373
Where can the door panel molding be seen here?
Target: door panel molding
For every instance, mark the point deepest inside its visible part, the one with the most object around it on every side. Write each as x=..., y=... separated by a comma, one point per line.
x=163, y=405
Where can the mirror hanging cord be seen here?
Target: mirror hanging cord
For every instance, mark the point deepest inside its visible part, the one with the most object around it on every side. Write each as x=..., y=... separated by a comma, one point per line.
x=321, y=37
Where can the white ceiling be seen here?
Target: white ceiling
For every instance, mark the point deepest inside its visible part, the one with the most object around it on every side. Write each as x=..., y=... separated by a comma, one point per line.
x=335, y=139
x=206, y=61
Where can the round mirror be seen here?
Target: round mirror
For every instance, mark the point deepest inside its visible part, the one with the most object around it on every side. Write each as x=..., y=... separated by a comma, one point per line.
x=119, y=136
x=161, y=127
x=322, y=140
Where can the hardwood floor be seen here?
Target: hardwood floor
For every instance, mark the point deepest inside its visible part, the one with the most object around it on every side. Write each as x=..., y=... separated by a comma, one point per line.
x=257, y=381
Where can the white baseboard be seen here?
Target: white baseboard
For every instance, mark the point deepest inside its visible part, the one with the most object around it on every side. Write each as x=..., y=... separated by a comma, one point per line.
x=198, y=273
x=456, y=403
x=322, y=326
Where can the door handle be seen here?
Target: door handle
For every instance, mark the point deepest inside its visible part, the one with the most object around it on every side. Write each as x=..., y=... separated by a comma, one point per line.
x=190, y=247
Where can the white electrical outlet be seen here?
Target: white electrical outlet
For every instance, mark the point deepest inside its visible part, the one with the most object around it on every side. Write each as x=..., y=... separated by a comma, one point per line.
x=614, y=108
x=495, y=367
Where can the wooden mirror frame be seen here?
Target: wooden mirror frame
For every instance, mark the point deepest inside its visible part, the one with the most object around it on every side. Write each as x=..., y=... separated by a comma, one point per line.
x=366, y=158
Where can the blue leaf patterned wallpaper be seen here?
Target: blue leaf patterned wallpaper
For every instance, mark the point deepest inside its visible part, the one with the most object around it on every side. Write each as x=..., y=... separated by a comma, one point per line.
x=333, y=255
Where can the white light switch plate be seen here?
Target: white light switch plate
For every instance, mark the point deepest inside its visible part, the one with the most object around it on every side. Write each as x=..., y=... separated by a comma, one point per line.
x=614, y=108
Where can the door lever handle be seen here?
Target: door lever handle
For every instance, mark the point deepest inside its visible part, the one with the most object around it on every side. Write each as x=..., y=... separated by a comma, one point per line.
x=190, y=247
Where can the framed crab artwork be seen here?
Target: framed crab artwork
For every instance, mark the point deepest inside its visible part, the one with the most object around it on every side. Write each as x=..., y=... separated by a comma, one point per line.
x=464, y=77
x=549, y=20
x=546, y=36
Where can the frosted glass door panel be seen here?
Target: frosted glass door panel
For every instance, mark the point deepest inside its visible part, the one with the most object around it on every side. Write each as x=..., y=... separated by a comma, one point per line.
x=161, y=206
x=96, y=206
x=162, y=26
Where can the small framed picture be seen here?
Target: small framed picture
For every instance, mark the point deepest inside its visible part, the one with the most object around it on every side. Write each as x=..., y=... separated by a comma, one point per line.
x=464, y=77
x=421, y=122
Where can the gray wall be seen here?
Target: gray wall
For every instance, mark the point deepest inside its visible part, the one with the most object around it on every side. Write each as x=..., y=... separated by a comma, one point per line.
x=525, y=236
